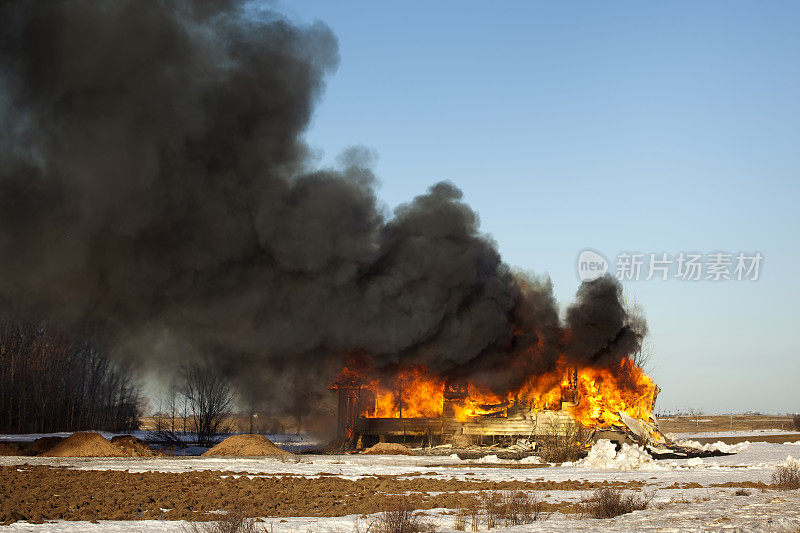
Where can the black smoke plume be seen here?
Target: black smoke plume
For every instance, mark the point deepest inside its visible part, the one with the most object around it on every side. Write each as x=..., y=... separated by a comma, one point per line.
x=156, y=194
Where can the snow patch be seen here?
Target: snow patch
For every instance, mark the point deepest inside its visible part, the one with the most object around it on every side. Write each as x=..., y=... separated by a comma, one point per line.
x=718, y=446
x=604, y=455
x=694, y=461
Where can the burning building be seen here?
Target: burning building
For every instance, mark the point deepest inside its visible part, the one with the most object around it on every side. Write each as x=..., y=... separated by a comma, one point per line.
x=190, y=227
x=413, y=403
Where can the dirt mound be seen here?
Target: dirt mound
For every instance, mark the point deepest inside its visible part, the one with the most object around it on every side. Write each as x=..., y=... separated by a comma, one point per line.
x=132, y=446
x=40, y=445
x=246, y=445
x=8, y=449
x=85, y=445
x=388, y=448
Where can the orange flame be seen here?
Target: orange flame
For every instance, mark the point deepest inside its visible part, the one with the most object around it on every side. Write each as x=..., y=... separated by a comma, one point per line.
x=479, y=402
x=412, y=393
x=593, y=396
x=603, y=394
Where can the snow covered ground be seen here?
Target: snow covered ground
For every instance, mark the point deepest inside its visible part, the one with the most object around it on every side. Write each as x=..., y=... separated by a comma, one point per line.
x=684, y=498
x=714, y=511
x=753, y=462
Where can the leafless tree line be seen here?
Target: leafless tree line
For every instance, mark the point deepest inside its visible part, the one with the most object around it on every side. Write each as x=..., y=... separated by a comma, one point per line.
x=52, y=382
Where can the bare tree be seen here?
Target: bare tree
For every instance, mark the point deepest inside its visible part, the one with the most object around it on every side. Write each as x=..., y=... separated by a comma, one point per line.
x=643, y=357
x=166, y=431
x=210, y=399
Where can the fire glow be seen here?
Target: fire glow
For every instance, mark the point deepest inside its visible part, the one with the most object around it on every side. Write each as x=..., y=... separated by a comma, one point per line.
x=593, y=396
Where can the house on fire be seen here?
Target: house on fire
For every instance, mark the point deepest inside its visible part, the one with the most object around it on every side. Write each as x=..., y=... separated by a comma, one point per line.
x=358, y=427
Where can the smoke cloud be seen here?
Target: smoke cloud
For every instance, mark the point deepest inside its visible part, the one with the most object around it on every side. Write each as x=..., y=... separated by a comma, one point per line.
x=156, y=192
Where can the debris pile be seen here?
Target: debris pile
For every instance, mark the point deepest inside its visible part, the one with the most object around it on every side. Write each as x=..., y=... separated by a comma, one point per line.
x=246, y=446
x=522, y=445
x=85, y=445
x=8, y=449
x=41, y=445
x=388, y=448
x=132, y=446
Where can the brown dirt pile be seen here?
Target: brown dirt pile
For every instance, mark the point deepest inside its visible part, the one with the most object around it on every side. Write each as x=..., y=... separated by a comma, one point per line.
x=8, y=449
x=40, y=445
x=133, y=446
x=388, y=448
x=81, y=445
x=85, y=445
x=38, y=493
x=246, y=446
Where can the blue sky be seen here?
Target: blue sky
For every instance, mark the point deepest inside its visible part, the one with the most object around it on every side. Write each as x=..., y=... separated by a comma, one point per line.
x=627, y=126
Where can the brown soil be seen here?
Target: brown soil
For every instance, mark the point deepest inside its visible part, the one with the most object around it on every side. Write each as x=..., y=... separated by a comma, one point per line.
x=677, y=485
x=688, y=424
x=85, y=445
x=38, y=493
x=133, y=446
x=8, y=449
x=388, y=448
x=246, y=445
x=40, y=445
x=743, y=484
x=80, y=445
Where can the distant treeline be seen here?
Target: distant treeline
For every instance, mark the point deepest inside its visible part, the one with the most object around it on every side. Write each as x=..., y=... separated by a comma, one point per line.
x=51, y=382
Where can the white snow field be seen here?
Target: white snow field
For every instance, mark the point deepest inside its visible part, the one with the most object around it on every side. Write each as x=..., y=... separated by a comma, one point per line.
x=674, y=506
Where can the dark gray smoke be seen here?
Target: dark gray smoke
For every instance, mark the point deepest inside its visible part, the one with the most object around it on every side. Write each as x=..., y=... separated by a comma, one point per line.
x=155, y=191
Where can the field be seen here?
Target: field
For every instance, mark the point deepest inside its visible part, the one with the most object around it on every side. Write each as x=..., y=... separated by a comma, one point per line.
x=723, y=423
x=352, y=492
